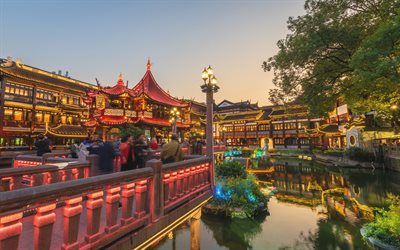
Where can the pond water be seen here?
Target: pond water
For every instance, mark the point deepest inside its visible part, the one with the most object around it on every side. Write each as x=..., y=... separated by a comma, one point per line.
x=315, y=207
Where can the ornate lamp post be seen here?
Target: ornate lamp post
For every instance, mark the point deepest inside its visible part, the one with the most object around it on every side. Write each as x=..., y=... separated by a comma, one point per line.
x=174, y=115
x=209, y=87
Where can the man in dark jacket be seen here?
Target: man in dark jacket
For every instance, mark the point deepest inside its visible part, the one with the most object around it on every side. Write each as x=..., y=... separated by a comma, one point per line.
x=139, y=148
x=42, y=144
x=106, y=158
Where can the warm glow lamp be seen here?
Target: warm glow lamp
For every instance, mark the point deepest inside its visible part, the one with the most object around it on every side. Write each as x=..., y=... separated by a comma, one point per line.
x=214, y=80
x=210, y=70
x=204, y=74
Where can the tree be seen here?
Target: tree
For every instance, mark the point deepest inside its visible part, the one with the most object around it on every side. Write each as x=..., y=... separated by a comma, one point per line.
x=328, y=53
x=130, y=130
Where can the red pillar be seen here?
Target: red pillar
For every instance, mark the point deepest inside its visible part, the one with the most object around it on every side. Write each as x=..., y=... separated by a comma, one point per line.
x=43, y=226
x=112, y=202
x=186, y=180
x=72, y=215
x=207, y=174
x=128, y=193
x=191, y=179
x=166, y=188
x=179, y=183
x=196, y=177
x=201, y=171
x=93, y=206
x=172, y=186
x=141, y=193
x=10, y=230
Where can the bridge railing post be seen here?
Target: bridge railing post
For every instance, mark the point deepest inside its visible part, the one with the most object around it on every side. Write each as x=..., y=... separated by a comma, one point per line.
x=156, y=193
x=72, y=214
x=10, y=231
x=141, y=193
x=93, y=206
x=94, y=163
x=43, y=226
x=112, y=202
x=127, y=197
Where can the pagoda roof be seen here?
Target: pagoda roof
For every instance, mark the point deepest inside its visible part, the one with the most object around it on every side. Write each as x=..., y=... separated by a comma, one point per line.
x=112, y=121
x=70, y=131
x=228, y=105
x=161, y=122
x=118, y=89
x=248, y=115
x=149, y=87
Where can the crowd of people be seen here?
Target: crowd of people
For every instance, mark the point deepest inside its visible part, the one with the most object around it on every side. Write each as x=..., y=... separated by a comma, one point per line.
x=123, y=154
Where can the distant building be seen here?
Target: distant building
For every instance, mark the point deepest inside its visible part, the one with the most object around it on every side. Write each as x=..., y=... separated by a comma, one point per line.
x=283, y=127
x=34, y=101
x=197, y=120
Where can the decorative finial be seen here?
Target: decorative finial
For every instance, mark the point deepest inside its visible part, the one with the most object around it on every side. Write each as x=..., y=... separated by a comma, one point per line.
x=148, y=64
x=120, y=77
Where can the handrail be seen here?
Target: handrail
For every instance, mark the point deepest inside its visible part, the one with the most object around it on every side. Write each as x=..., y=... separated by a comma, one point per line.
x=18, y=199
x=23, y=177
x=181, y=164
x=8, y=172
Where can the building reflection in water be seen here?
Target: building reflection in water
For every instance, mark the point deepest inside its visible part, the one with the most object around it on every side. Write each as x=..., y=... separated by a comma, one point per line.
x=351, y=194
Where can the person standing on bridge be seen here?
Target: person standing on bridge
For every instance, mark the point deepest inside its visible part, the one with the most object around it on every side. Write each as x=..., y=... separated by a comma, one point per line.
x=153, y=144
x=139, y=148
x=127, y=153
x=171, y=152
x=42, y=144
x=106, y=158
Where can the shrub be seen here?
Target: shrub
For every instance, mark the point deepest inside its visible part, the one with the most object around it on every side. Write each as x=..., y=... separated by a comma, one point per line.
x=232, y=193
x=386, y=226
x=130, y=130
x=232, y=169
x=247, y=152
x=318, y=151
x=333, y=152
x=359, y=154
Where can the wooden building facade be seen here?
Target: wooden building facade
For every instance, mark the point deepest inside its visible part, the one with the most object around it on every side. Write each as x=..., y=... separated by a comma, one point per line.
x=34, y=101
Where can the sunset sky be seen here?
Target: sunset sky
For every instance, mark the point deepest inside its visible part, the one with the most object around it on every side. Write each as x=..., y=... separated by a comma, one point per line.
x=99, y=39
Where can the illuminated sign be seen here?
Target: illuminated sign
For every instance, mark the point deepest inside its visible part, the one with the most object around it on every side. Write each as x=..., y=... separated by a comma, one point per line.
x=100, y=102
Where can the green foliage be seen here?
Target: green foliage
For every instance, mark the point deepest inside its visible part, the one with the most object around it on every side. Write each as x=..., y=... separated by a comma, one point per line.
x=340, y=48
x=386, y=226
x=237, y=190
x=247, y=152
x=130, y=130
x=359, y=154
x=334, y=152
x=231, y=169
x=238, y=193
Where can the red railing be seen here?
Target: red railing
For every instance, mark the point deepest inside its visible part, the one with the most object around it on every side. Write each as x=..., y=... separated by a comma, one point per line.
x=93, y=212
x=22, y=177
x=33, y=160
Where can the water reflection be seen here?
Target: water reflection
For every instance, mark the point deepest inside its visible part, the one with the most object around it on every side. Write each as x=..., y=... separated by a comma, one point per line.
x=233, y=234
x=315, y=208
